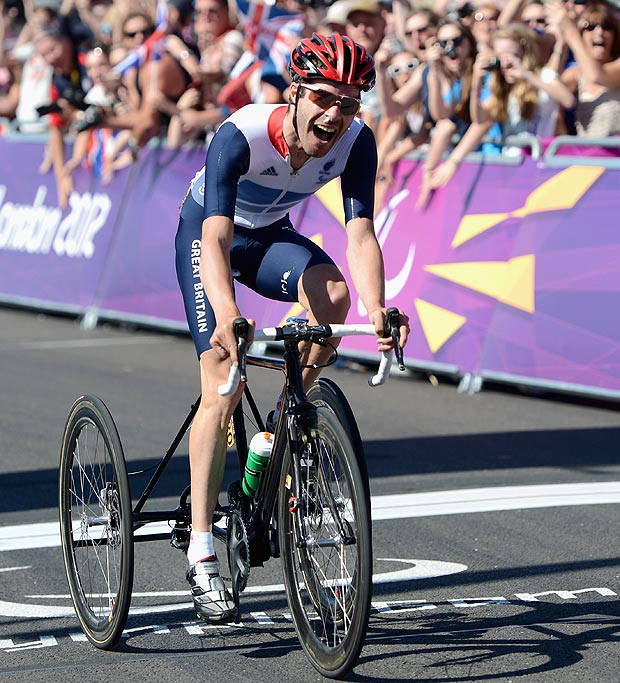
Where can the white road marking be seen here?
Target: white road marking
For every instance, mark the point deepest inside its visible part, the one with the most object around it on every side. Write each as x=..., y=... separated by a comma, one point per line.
x=493, y=499
x=398, y=506
x=415, y=570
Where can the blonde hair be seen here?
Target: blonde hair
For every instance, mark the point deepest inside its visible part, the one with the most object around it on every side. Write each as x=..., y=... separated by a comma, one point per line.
x=526, y=93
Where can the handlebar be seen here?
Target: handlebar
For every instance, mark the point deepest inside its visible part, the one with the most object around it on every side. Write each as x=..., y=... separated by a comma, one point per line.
x=297, y=329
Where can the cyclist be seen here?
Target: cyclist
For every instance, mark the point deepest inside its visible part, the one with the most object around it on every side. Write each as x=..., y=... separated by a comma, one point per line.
x=263, y=160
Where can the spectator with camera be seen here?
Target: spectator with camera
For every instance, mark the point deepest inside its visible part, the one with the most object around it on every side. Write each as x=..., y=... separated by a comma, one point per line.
x=418, y=27
x=513, y=89
x=594, y=39
x=451, y=56
x=101, y=150
x=532, y=14
x=399, y=134
x=402, y=87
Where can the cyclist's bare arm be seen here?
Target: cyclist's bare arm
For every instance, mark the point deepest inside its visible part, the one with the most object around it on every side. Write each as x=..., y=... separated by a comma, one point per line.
x=216, y=277
x=367, y=271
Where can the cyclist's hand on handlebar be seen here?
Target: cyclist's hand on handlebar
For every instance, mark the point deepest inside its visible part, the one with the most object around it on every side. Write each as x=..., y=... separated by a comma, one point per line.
x=385, y=341
x=224, y=340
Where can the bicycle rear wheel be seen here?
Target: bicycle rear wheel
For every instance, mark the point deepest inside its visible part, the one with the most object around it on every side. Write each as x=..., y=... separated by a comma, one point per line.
x=96, y=526
x=325, y=537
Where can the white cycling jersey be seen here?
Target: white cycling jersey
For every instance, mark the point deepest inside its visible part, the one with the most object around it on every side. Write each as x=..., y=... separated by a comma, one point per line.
x=248, y=176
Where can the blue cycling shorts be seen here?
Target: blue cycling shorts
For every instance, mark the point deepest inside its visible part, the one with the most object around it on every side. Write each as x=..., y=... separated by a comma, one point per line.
x=269, y=260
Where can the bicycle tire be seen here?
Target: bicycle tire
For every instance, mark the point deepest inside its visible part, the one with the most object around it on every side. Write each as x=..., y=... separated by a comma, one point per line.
x=96, y=524
x=326, y=392
x=328, y=582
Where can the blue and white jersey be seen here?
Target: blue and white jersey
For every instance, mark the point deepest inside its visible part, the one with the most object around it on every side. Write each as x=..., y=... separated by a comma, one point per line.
x=248, y=177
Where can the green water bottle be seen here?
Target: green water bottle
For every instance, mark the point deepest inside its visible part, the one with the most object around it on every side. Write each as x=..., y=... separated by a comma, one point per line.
x=258, y=457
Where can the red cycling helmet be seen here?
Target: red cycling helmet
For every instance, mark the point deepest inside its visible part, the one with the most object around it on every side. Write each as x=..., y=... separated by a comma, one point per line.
x=332, y=58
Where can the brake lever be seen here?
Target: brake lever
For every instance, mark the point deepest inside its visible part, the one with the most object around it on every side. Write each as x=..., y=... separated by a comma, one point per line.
x=392, y=324
x=241, y=329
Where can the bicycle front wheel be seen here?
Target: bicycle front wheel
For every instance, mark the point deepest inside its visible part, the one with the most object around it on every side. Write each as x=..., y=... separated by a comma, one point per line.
x=325, y=537
x=96, y=525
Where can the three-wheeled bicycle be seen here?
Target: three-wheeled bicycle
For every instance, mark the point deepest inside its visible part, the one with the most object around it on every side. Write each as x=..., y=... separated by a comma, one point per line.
x=311, y=508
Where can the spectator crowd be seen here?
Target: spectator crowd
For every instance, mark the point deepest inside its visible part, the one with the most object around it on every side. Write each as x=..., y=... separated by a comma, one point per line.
x=104, y=78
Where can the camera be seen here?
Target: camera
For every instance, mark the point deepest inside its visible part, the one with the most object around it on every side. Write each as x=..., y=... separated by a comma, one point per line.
x=493, y=65
x=46, y=109
x=317, y=3
x=75, y=97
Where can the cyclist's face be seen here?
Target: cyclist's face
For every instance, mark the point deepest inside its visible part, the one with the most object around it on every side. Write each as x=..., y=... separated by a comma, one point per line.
x=320, y=121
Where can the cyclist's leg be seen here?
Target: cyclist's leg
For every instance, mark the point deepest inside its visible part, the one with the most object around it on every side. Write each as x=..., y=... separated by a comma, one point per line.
x=323, y=292
x=207, y=442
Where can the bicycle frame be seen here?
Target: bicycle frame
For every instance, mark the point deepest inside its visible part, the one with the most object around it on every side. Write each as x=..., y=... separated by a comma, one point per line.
x=260, y=511
x=181, y=514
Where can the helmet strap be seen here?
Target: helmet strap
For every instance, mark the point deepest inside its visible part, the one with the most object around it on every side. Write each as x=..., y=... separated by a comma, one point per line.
x=295, y=112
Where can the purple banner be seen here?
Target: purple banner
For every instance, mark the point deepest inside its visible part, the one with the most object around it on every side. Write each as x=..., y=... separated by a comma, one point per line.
x=50, y=256
x=508, y=271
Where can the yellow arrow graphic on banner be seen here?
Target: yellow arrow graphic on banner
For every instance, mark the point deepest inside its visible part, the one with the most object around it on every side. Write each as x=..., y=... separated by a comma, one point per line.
x=438, y=324
x=561, y=192
x=511, y=282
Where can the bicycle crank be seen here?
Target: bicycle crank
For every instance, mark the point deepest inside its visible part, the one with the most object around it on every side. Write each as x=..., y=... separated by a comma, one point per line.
x=238, y=550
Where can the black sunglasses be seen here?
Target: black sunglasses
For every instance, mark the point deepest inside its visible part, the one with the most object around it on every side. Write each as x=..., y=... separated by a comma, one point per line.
x=146, y=32
x=453, y=42
x=325, y=100
x=605, y=25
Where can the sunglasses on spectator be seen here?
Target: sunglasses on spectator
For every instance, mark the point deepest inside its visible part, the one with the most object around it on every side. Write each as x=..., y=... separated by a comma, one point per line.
x=396, y=69
x=454, y=42
x=325, y=100
x=604, y=25
x=410, y=32
x=541, y=21
x=146, y=32
x=481, y=16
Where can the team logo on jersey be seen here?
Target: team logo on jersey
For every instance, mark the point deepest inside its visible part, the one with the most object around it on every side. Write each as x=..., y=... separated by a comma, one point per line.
x=284, y=281
x=269, y=171
x=324, y=174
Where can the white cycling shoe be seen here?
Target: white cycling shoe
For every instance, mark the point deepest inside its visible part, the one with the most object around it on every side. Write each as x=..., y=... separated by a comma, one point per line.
x=212, y=600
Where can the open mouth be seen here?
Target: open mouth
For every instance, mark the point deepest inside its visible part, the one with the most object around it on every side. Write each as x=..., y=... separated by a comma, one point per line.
x=323, y=133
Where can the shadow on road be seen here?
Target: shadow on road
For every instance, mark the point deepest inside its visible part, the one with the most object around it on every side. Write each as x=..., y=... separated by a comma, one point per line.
x=584, y=450
x=446, y=645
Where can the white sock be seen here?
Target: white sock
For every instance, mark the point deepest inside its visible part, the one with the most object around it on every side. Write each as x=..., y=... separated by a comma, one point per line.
x=200, y=546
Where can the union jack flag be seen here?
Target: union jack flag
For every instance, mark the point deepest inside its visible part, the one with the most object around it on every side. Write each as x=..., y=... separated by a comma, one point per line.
x=271, y=31
x=100, y=142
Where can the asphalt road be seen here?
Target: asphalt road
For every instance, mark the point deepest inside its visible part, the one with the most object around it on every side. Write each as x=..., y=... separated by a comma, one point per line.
x=495, y=526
